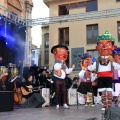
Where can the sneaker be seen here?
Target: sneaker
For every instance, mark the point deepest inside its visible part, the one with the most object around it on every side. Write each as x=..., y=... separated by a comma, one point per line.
x=57, y=106
x=65, y=106
x=92, y=105
x=86, y=105
x=102, y=108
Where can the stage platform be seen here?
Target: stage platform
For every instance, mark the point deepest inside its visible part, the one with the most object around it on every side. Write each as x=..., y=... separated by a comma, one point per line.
x=76, y=112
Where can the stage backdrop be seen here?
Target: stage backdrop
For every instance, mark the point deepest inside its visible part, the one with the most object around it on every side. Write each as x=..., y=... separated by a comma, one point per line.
x=12, y=43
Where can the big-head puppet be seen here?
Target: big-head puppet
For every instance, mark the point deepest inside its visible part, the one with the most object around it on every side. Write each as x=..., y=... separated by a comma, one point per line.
x=60, y=70
x=85, y=86
x=103, y=67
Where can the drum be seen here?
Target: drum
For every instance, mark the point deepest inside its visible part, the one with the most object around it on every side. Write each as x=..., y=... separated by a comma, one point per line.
x=4, y=72
x=13, y=72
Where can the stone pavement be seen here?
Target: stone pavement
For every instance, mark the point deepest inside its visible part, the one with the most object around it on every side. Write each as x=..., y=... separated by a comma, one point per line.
x=76, y=112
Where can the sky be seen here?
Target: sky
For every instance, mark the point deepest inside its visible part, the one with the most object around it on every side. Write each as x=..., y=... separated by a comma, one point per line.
x=40, y=10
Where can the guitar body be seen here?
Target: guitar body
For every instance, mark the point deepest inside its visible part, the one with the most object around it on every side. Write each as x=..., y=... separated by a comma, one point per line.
x=17, y=96
x=24, y=91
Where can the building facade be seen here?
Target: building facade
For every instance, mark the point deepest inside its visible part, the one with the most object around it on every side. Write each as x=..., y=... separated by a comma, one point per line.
x=78, y=23
x=45, y=46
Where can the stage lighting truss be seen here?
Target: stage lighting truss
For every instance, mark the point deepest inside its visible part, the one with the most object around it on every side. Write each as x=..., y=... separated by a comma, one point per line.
x=23, y=22
x=77, y=17
x=10, y=16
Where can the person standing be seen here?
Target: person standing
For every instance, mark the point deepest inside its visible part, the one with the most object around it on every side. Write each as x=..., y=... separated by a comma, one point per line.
x=60, y=70
x=103, y=67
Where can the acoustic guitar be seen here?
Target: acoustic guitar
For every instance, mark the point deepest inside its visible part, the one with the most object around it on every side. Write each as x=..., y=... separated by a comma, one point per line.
x=25, y=92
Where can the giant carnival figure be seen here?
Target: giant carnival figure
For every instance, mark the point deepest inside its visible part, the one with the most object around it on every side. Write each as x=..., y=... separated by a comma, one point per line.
x=103, y=66
x=116, y=76
x=85, y=86
x=59, y=72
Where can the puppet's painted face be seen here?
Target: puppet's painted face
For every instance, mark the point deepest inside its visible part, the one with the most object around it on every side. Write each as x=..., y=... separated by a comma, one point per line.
x=105, y=47
x=60, y=54
x=85, y=62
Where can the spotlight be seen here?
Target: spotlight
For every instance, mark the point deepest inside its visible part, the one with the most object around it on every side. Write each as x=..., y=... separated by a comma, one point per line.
x=6, y=43
x=9, y=23
x=19, y=27
x=0, y=17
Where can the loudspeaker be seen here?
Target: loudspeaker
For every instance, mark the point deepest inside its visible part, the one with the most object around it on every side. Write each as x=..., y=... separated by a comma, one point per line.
x=35, y=101
x=112, y=113
x=6, y=101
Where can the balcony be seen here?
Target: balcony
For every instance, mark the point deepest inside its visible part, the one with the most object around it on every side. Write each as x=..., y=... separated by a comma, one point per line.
x=48, y=1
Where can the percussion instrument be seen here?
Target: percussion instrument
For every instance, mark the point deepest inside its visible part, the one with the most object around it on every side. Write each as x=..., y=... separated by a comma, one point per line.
x=13, y=70
x=3, y=72
x=3, y=76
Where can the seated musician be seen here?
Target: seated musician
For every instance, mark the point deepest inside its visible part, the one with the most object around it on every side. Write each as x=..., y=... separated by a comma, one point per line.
x=43, y=78
x=26, y=87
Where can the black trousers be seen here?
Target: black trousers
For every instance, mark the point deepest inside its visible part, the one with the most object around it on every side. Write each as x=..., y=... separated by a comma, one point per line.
x=60, y=86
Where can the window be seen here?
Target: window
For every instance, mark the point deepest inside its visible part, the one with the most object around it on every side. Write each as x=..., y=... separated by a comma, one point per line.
x=33, y=54
x=91, y=5
x=118, y=25
x=64, y=10
x=92, y=34
x=46, y=38
x=64, y=36
x=73, y=5
x=93, y=53
x=81, y=4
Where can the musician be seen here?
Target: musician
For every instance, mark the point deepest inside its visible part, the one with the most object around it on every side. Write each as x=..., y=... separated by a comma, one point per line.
x=75, y=83
x=28, y=85
x=60, y=70
x=103, y=66
x=43, y=78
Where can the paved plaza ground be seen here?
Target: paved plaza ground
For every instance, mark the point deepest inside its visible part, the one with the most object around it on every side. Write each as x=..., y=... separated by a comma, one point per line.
x=76, y=112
